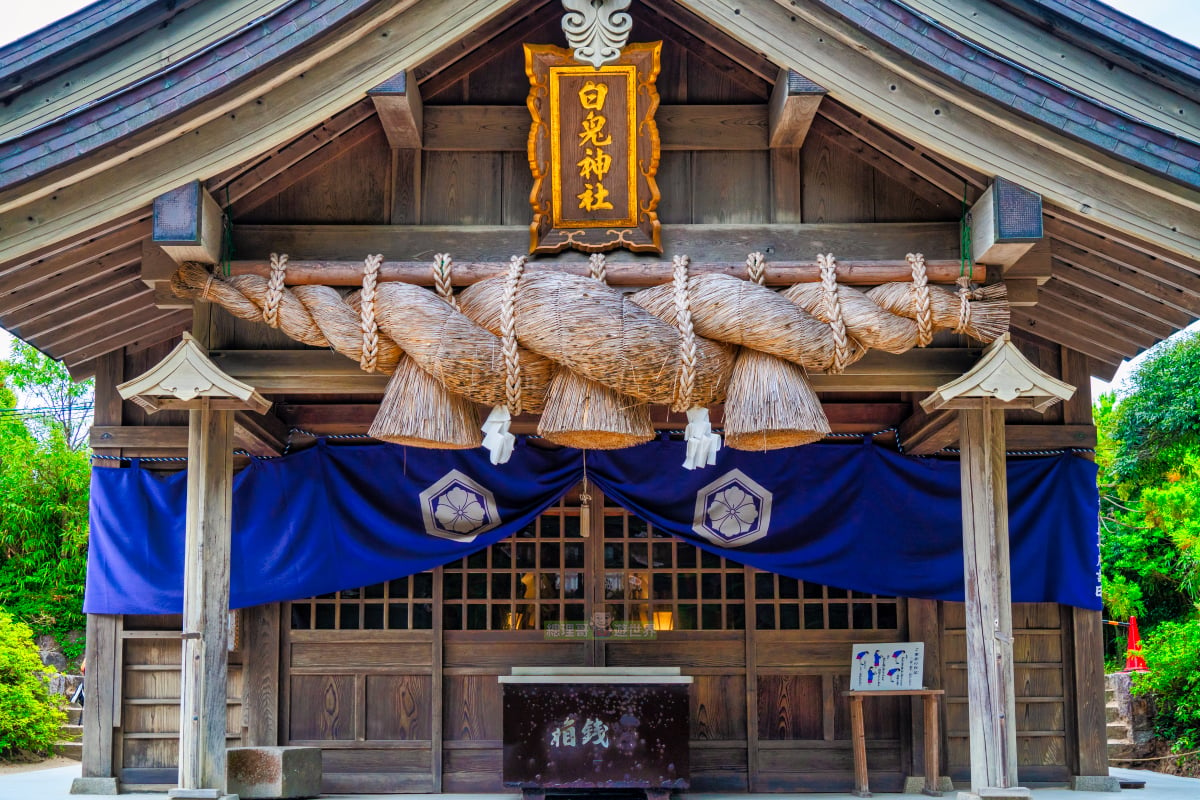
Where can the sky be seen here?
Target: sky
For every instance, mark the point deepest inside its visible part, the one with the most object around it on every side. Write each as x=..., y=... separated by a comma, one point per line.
x=1181, y=18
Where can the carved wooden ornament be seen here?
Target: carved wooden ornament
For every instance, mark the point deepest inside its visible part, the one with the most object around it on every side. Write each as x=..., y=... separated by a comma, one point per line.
x=1003, y=374
x=593, y=150
x=186, y=375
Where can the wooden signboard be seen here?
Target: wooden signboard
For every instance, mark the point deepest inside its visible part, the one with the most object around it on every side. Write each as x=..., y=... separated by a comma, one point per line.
x=593, y=150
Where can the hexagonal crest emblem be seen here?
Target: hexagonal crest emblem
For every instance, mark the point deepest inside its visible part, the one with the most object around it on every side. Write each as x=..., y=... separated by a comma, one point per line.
x=733, y=510
x=458, y=508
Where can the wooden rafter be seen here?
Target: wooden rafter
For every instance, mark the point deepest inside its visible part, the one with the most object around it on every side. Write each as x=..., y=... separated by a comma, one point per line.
x=18, y=276
x=133, y=335
x=230, y=187
x=94, y=312
x=60, y=308
x=1170, y=272
x=731, y=48
x=1107, y=307
x=327, y=154
x=1056, y=328
x=64, y=280
x=1099, y=283
x=486, y=42
x=702, y=45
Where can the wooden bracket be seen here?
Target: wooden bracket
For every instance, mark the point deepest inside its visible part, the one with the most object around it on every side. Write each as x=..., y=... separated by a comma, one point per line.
x=188, y=224
x=793, y=105
x=398, y=103
x=1005, y=223
x=157, y=269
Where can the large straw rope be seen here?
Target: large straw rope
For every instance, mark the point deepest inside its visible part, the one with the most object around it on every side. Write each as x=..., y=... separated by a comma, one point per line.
x=628, y=343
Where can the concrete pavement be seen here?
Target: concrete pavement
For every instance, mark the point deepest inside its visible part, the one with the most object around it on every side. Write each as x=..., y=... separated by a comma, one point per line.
x=55, y=784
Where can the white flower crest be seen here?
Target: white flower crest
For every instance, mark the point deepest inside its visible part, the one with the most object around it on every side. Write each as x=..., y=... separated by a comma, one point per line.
x=732, y=511
x=459, y=510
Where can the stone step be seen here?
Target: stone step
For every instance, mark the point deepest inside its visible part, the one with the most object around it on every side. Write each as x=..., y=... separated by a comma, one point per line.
x=1112, y=713
x=1118, y=749
x=74, y=714
x=70, y=733
x=1118, y=730
x=70, y=750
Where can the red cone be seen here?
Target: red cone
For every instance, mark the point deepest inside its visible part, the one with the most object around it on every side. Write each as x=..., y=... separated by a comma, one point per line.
x=1134, y=662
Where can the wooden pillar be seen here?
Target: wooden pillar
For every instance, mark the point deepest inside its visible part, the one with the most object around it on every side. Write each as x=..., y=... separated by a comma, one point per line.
x=206, y=599
x=990, y=683
x=103, y=630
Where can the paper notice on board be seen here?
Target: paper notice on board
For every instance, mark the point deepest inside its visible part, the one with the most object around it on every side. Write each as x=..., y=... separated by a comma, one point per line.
x=887, y=665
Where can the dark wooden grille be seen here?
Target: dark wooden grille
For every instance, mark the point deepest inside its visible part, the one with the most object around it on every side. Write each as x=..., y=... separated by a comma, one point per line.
x=400, y=604
x=525, y=582
x=550, y=573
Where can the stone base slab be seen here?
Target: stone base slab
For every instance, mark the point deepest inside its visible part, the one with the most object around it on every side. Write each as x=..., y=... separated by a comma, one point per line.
x=915, y=784
x=1095, y=783
x=274, y=772
x=95, y=786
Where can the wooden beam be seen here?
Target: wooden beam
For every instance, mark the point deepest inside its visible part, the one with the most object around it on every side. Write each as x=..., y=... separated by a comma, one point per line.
x=646, y=273
x=1054, y=328
x=139, y=334
x=923, y=434
x=1104, y=306
x=398, y=103
x=680, y=127
x=1006, y=221
x=1035, y=264
x=704, y=29
x=746, y=70
x=233, y=185
x=904, y=153
x=52, y=312
x=330, y=152
x=1166, y=271
x=259, y=434
x=321, y=372
x=188, y=224
x=716, y=243
x=793, y=105
x=917, y=184
x=991, y=691
x=55, y=266
x=103, y=630
x=454, y=61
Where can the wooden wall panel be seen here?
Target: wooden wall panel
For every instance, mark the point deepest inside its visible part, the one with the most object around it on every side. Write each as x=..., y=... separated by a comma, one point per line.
x=399, y=707
x=837, y=187
x=351, y=189
x=718, y=707
x=472, y=708
x=731, y=187
x=462, y=189
x=321, y=708
x=790, y=707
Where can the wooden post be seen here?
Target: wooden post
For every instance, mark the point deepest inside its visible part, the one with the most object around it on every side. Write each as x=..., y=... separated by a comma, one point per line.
x=206, y=600
x=990, y=682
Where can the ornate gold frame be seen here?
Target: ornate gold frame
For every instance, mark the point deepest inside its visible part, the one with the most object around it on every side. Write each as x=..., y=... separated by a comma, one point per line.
x=552, y=230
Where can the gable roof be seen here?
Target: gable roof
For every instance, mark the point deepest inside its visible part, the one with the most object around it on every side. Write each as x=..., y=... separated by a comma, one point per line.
x=247, y=78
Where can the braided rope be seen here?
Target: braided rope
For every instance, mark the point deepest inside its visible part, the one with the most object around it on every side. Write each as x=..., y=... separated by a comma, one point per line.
x=370, y=326
x=964, y=304
x=442, y=267
x=508, y=334
x=756, y=266
x=598, y=267
x=843, y=350
x=687, y=336
x=275, y=289
x=921, y=302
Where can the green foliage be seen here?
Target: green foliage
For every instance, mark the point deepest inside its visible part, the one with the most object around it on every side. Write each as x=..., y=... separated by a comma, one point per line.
x=1171, y=651
x=64, y=405
x=43, y=525
x=1148, y=450
x=30, y=717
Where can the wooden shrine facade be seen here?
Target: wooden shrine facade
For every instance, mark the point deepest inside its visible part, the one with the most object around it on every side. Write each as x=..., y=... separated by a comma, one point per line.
x=397, y=681
x=334, y=130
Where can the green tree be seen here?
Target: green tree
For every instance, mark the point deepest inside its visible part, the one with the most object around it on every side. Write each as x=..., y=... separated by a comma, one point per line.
x=43, y=520
x=53, y=399
x=1148, y=450
x=30, y=717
